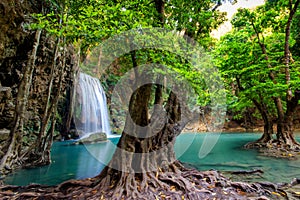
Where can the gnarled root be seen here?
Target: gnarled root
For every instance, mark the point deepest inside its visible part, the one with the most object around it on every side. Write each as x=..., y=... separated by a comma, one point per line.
x=182, y=184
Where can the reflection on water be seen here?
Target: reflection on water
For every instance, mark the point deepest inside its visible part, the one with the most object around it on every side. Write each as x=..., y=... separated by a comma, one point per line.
x=83, y=161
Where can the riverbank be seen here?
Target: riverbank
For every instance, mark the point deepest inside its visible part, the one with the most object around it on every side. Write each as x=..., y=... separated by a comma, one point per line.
x=198, y=126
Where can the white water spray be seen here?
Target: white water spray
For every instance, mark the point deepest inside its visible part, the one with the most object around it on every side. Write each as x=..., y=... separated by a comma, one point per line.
x=91, y=113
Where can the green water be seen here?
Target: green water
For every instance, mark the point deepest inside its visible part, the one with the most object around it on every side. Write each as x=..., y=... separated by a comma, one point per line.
x=228, y=155
x=83, y=161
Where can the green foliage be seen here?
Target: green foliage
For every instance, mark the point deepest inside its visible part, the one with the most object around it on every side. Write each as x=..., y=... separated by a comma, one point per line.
x=195, y=18
x=86, y=23
x=246, y=69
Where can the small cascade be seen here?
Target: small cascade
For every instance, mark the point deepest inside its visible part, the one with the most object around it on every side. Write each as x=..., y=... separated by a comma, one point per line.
x=91, y=113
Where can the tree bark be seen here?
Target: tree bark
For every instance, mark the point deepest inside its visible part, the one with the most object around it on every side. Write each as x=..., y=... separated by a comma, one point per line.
x=287, y=54
x=285, y=135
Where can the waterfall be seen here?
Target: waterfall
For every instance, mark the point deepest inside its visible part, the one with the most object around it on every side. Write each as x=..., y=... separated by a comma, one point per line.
x=91, y=113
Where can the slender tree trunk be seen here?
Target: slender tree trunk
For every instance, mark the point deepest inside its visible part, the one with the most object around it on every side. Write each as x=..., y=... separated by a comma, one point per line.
x=36, y=152
x=248, y=120
x=268, y=125
x=287, y=53
x=98, y=72
x=48, y=139
x=42, y=150
x=46, y=113
x=286, y=133
x=12, y=154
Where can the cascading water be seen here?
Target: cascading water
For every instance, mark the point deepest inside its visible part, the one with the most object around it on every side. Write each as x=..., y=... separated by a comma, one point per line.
x=91, y=114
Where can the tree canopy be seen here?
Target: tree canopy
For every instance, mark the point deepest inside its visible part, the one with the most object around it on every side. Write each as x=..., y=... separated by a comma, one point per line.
x=258, y=64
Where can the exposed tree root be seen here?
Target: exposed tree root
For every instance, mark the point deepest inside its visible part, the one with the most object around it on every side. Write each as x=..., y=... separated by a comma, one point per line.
x=182, y=184
x=262, y=142
x=275, y=148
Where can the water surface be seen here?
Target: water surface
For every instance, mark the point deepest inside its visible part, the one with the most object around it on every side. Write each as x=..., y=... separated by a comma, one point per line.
x=229, y=155
x=82, y=161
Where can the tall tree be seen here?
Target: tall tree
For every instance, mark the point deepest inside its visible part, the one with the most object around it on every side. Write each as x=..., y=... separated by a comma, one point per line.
x=285, y=119
x=237, y=58
x=273, y=72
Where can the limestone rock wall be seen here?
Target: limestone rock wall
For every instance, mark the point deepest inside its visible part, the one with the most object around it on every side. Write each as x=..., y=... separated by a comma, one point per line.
x=16, y=43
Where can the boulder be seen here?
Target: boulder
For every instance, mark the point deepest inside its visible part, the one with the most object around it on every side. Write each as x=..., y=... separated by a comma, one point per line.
x=92, y=138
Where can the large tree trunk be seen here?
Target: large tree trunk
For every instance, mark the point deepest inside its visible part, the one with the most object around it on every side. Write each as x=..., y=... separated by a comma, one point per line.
x=285, y=128
x=144, y=161
x=285, y=132
x=145, y=149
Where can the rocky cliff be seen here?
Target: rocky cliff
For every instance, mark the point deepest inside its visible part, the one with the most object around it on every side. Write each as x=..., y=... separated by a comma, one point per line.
x=16, y=45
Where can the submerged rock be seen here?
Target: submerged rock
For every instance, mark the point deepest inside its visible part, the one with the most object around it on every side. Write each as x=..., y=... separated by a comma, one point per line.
x=92, y=138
